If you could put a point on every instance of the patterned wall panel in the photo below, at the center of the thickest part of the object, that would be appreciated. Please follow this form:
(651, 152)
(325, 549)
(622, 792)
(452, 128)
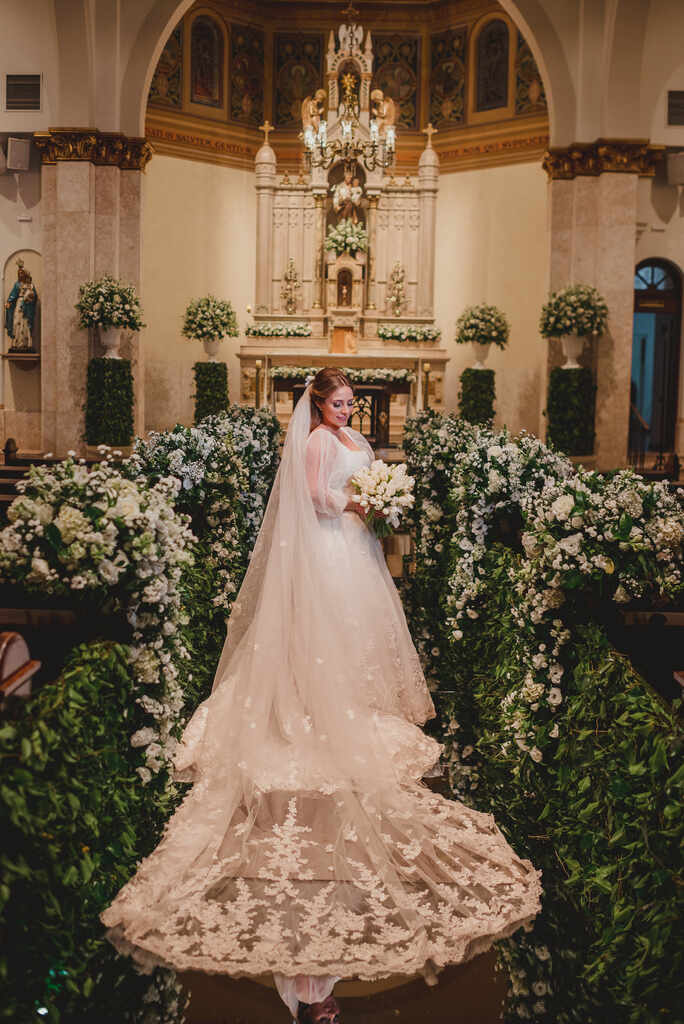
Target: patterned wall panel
(298, 72)
(491, 76)
(530, 97)
(166, 87)
(246, 71)
(397, 73)
(448, 77)
(206, 62)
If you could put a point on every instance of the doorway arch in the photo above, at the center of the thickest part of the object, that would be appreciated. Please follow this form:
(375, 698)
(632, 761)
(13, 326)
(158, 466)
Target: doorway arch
(656, 344)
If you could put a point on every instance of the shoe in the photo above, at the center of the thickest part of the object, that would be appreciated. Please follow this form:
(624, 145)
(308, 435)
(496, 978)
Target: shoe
(327, 1012)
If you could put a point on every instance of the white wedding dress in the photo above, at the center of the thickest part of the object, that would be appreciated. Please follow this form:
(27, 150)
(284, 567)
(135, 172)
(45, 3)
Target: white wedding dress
(308, 844)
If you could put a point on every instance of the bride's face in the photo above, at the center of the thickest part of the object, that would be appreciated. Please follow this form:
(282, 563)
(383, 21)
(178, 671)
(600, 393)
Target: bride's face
(337, 407)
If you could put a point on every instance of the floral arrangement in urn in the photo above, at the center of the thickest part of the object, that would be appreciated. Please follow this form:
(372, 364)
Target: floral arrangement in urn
(208, 320)
(346, 237)
(109, 303)
(482, 326)
(578, 309)
(111, 306)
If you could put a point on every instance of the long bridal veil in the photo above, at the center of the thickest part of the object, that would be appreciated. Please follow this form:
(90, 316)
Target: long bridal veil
(308, 844)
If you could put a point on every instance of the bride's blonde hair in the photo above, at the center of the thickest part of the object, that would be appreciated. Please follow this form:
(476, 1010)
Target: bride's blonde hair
(324, 383)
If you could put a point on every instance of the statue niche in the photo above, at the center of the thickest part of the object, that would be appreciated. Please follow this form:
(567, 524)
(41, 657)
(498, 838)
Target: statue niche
(344, 287)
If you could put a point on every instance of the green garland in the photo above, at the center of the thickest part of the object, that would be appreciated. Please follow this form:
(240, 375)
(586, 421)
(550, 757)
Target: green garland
(476, 397)
(211, 389)
(600, 813)
(570, 410)
(75, 820)
(109, 402)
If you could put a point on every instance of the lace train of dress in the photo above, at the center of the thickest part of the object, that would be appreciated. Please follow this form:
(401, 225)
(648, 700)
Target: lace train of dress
(308, 844)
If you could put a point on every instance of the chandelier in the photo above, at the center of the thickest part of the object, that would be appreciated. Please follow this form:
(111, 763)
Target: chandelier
(378, 151)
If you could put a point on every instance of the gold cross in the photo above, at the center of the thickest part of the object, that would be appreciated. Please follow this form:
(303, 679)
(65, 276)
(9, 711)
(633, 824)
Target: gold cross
(266, 128)
(429, 131)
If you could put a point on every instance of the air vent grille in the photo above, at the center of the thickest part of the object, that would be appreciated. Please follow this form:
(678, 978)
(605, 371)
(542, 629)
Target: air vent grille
(22, 92)
(675, 107)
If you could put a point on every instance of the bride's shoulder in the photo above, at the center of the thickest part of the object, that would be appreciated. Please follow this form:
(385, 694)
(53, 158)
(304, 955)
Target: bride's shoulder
(319, 436)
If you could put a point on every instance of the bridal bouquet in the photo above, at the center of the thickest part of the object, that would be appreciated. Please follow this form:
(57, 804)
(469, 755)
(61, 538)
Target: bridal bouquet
(383, 492)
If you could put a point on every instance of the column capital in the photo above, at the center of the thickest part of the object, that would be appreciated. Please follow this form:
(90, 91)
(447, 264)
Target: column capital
(108, 149)
(590, 159)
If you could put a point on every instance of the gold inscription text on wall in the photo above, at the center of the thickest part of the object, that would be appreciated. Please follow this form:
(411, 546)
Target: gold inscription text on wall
(589, 159)
(110, 149)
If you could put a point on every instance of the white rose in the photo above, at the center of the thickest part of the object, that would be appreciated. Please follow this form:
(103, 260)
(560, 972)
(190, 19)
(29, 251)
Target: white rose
(563, 506)
(39, 567)
(555, 697)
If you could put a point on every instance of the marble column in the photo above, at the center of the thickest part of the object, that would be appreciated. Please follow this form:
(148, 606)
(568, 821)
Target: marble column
(91, 191)
(265, 168)
(372, 237)
(592, 240)
(319, 255)
(428, 179)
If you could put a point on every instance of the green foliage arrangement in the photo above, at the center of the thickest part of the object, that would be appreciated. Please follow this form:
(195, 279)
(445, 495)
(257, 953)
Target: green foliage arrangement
(211, 389)
(476, 397)
(546, 726)
(346, 237)
(86, 782)
(108, 302)
(208, 318)
(578, 309)
(74, 821)
(484, 325)
(570, 410)
(109, 402)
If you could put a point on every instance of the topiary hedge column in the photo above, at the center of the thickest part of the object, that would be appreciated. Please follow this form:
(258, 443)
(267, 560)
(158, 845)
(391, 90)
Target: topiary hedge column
(570, 410)
(109, 402)
(211, 389)
(476, 397)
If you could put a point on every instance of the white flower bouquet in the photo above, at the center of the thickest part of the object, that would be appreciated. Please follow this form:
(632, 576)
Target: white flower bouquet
(578, 309)
(346, 237)
(384, 492)
(484, 325)
(209, 318)
(357, 375)
(109, 303)
(300, 329)
(408, 332)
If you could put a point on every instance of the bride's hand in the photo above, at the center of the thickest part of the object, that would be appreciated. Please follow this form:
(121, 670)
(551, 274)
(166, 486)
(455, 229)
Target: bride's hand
(353, 506)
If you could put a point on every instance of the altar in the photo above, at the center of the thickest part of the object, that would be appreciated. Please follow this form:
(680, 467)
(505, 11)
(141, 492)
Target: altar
(345, 256)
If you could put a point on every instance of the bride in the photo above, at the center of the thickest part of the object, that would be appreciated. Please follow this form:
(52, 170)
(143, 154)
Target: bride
(308, 847)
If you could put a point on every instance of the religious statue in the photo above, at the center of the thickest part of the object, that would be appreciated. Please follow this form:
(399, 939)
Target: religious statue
(383, 110)
(350, 37)
(396, 298)
(313, 108)
(20, 311)
(290, 287)
(347, 196)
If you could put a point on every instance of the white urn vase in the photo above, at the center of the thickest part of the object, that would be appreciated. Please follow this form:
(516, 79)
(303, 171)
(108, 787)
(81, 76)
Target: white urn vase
(211, 347)
(481, 352)
(110, 338)
(572, 348)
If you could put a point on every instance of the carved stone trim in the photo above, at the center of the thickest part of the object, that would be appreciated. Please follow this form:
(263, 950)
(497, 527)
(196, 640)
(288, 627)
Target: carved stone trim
(110, 149)
(589, 159)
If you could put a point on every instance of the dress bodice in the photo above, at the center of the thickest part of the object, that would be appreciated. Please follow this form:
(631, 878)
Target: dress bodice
(347, 462)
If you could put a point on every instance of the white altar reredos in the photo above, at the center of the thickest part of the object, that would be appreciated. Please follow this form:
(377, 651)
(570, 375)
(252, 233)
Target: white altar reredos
(344, 298)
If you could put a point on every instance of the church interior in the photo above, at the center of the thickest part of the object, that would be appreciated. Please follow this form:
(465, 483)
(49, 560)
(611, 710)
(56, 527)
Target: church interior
(338, 186)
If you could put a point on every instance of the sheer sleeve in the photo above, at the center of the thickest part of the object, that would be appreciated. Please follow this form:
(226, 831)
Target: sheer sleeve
(320, 461)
